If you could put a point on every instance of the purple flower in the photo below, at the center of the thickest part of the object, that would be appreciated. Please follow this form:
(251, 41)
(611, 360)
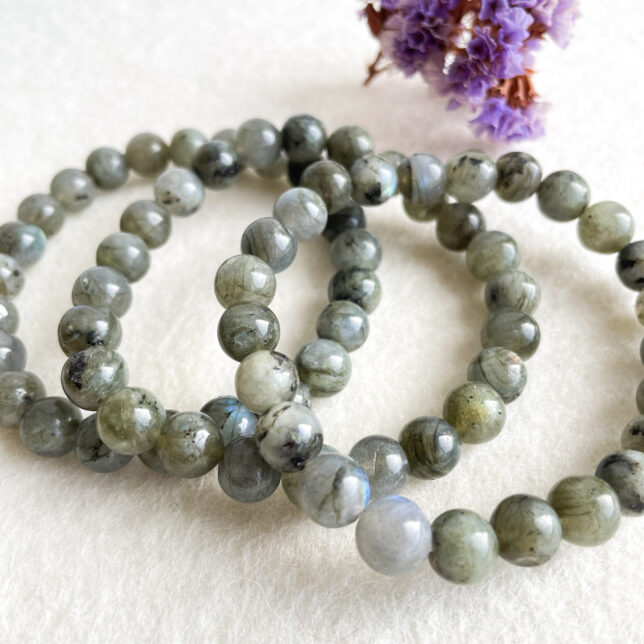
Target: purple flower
(500, 121)
(470, 79)
(514, 25)
(563, 18)
(491, 8)
(389, 5)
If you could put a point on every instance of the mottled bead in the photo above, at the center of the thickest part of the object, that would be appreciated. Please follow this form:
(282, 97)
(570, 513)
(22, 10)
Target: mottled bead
(179, 191)
(73, 189)
(324, 366)
(9, 316)
(513, 330)
(349, 143)
(42, 211)
(147, 220)
(147, 154)
(107, 167)
(345, 323)
(302, 212)
(12, 279)
(421, 179)
(476, 411)
(267, 239)
(518, 176)
(393, 536)
(93, 453)
(465, 547)
(639, 307)
(630, 265)
(151, 458)
(588, 509)
(458, 224)
(48, 427)
(348, 218)
(359, 286)
(227, 135)
(374, 180)
(231, 417)
(500, 368)
(125, 253)
(24, 242)
(514, 290)
(291, 480)
(101, 286)
(605, 227)
(216, 164)
(624, 472)
(258, 143)
(470, 176)
(563, 195)
(303, 138)
(331, 181)
(396, 160)
(303, 395)
(356, 248)
(633, 434)
(639, 397)
(245, 278)
(184, 144)
(528, 530)
(18, 392)
(275, 171)
(13, 355)
(246, 328)
(424, 213)
(490, 253)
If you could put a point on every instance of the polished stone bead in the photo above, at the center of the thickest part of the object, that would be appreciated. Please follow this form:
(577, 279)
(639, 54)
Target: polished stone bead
(345, 323)
(13, 355)
(356, 248)
(432, 446)
(184, 144)
(490, 253)
(125, 253)
(151, 458)
(303, 138)
(149, 221)
(42, 211)
(130, 420)
(302, 212)
(514, 290)
(639, 307)
(630, 265)
(348, 218)
(243, 474)
(275, 171)
(93, 453)
(518, 176)
(359, 286)
(563, 195)
(588, 509)
(147, 154)
(245, 278)
(48, 427)
(331, 181)
(230, 417)
(421, 180)
(513, 330)
(324, 366)
(384, 462)
(73, 189)
(101, 286)
(18, 392)
(606, 227)
(91, 375)
(246, 328)
(107, 167)
(374, 180)
(633, 434)
(396, 160)
(624, 472)
(528, 530)
(500, 368)
(82, 327)
(258, 143)
(291, 480)
(458, 224)
(465, 547)
(227, 135)
(24, 242)
(476, 411)
(189, 445)
(423, 213)
(295, 170)
(179, 191)
(216, 164)
(9, 316)
(348, 144)
(303, 395)
(393, 536)
(470, 176)
(12, 279)
(264, 379)
(267, 239)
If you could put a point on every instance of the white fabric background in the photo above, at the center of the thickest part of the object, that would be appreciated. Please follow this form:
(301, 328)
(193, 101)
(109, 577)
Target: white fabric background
(137, 556)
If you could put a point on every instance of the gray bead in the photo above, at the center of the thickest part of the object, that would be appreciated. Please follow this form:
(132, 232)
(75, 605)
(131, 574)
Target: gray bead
(24, 242)
(624, 472)
(179, 191)
(295, 170)
(348, 144)
(73, 189)
(630, 265)
(107, 167)
(12, 279)
(470, 176)
(246, 328)
(423, 213)
(245, 278)
(421, 180)
(633, 434)
(345, 323)
(374, 180)
(184, 144)
(303, 395)
(42, 211)
(231, 417)
(13, 355)
(258, 143)
(500, 368)
(605, 227)
(291, 480)
(149, 221)
(151, 458)
(91, 375)
(358, 286)
(147, 154)
(331, 181)
(512, 330)
(275, 171)
(82, 327)
(9, 316)
(356, 248)
(18, 392)
(303, 138)
(216, 164)
(48, 427)
(348, 218)
(302, 212)
(125, 253)
(101, 286)
(563, 195)
(324, 366)
(227, 135)
(93, 453)
(490, 253)
(384, 462)
(395, 159)
(458, 224)
(267, 239)
(518, 176)
(514, 290)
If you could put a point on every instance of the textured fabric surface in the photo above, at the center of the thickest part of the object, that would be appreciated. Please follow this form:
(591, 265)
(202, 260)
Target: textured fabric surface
(137, 556)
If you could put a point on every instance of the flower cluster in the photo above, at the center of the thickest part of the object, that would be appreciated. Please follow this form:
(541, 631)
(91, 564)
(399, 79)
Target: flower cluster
(478, 52)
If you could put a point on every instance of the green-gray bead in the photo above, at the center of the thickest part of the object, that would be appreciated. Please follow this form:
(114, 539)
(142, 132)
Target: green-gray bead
(12, 279)
(303, 138)
(518, 176)
(179, 191)
(513, 330)
(102, 286)
(374, 180)
(245, 278)
(184, 144)
(605, 227)
(258, 143)
(73, 189)
(345, 323)
(151, 458)
(356, 248)
(563, 195)
(624, 472)
(216, 164)
(231, 417)
(291, 480)
(227, 135)
(302, 212)
(107, 167)
(267, 239)
(362, 287)
(149, 221)
(18, 392)
(458, 224)
(93, 453)
(147, 154)
(24, 242)
(348, 144)
(633, 434)
(13, 354)
(331, 181)
(500, 368)
(9, 316)
(423, 213)
(246, 328)
(350, 217)
(274, 172)
(43, 211)
(125, 253)
(514, 290)
(325, 366)
(490, 253)
(421, 181)
(470, 176)
(630, 265)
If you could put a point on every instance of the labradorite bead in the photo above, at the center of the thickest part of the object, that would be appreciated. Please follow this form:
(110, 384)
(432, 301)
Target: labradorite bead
(518, 176)
(295, 170)
(458, 224)
(514, 290)
(432, 446)
(624, 472)
(588, 509)
(147, 154)
(48, 427)
(258, 143)
(302, 212)
(275, 171)
(528, 530)
(359, 286)
(246, 328)
(490, 253)
(264, 379)
(356, 248)
(91, 375)
(245, 278)
(476, 411)
(396, 160)
(12, 279)
(470, 176)
(42, 211)
(630, 265)
(13, 355)
(303, 138)
(324, 366)
(130, 420)
(605, 227)
(345, 323)
(465, 548)
(9, 316)
(227, 135)
(216, 164)
(267, 239)
(151, 458)
(384, 462)
(421, 180)
(243, 474)
(331, 181)
(513, 330)
(231, 417)
(423, 213)
(347, 218)
(633, 434)
(102, 286)
(149, 221)
(393, 536)
(73, 189)
(348, 144)
(125, 253)
(24, 242)
(563, 195)
(374, 180)
(179, 191)
(500, 368)
(291, 480)
(107, 167)
(18, 392)
(184, 144)
(93, 453)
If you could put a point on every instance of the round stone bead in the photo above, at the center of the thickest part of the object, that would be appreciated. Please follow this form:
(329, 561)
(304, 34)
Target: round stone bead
(374, 180)
(48, 427)
(630, 265)
(258, 143)
(243, 474)
(458, 224)
(265, 379)
(147, 154)
(151, 458)
(512, 330)
(125, 253)
(275, 171)
(465, 548)
(348, 218)
(291, 480)
(331, 181)
(421, 180)
(73, 189)
(588, 509)
(13, 355)
(303, 138)
(639, 397)
(432, 446)
(605, 227)
(190, 444)
(107, 167)
(395, 159)
(12, 279)
(227, 135)
(324, 366)
(42, 211)
(92, 375)
(102, 286)
(633, 435)
(490, 253)
(514, 290)
(183, 146)
(518, 176)
(231, 417)
(267, 239)
(348, 144)
(624, 472)
(423, 213)
(563, 195)
(179, 191)
(245, 278)
(356, 248)
(345, 323)
(359, 286)
(147, 220)
(470, 176)
(476, 411)
(500, 368)
(528, 530)
(130, 420)
(384, 462)
(393, 536)
(302, 212)
(93, 453)
(9, 316)
(18, 392)
(303, 395)
(24, 242)
(246, 328)
(216, 164)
